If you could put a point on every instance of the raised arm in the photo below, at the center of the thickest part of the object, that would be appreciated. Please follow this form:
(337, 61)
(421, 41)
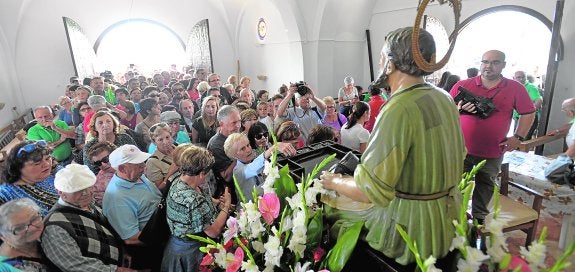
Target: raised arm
(284, 104)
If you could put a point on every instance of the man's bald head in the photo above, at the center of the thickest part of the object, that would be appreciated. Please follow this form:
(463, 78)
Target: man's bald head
(568, 105)
(520, 77)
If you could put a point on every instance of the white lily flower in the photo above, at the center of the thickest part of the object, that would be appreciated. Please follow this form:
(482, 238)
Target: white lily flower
(249, 266)
(457, 242)
(535, 256)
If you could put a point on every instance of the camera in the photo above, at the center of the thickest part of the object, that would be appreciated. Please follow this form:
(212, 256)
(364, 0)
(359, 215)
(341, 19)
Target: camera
(301, 88)
(483, 106)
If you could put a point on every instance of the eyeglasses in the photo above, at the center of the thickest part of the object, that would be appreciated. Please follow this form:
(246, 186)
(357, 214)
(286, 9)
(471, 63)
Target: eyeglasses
(493, 62)
(259, 136)
(179, 89)
(173, 123)
(330, 107)
(31, 147)
(156, 126)
(103, 160)
(154, 95)
(21, 229)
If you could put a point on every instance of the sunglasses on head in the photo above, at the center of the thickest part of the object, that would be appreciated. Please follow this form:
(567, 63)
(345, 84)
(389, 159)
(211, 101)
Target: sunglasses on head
(31, 147)
(259, 136)
(154, 95)
(103, 160)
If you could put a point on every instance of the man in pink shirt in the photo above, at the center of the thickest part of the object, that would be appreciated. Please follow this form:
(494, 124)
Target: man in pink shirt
(486, 138)
(375, 105)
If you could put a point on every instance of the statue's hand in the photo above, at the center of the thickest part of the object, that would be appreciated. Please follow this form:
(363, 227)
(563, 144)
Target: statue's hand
(329, 180)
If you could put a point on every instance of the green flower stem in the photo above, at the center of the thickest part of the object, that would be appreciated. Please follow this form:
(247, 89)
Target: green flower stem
(246, 250)
(239, 190)
(412, 247)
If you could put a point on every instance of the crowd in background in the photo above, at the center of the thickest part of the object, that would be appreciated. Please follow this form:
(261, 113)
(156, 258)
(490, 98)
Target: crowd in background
(95, 165)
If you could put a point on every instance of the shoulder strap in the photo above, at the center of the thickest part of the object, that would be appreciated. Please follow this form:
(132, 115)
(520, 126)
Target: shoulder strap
(316, 112)
(339, 120)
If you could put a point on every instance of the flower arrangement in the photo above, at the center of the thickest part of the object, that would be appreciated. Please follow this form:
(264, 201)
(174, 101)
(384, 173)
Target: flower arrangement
(497, 256)
(281, 231)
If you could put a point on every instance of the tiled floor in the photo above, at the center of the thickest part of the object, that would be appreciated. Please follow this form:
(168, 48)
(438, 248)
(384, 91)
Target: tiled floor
(515, 239)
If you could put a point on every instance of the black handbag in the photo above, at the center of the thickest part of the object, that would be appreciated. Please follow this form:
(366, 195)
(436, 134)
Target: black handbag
(157, 232)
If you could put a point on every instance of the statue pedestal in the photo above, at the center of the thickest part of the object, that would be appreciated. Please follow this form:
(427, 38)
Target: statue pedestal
(366, 257)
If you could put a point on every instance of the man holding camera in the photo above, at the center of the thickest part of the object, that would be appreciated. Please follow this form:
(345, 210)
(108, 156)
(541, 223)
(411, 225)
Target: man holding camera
(303, 115)
(486, 134)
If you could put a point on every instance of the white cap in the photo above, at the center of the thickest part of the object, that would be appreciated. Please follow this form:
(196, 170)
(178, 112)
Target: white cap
(348, 80)
(74, 178)
(127, 154)
(167, 116)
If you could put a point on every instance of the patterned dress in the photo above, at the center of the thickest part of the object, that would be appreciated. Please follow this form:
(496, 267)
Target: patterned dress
(188, 212)
(416, 149)
(43, 193)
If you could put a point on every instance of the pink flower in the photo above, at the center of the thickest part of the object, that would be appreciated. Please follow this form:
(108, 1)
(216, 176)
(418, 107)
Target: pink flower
(236, 263)
(318, 254)
(233, 228)
(518, 262)
(269, 206)
(207, 260)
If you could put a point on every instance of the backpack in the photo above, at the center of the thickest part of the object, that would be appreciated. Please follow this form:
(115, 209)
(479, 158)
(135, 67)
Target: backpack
(560, 171)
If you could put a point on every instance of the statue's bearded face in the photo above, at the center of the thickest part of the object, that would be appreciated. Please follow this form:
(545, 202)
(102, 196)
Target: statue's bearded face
(382, 80)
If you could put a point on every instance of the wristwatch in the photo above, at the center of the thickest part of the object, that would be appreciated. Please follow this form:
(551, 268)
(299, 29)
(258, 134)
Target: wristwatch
(519, 137)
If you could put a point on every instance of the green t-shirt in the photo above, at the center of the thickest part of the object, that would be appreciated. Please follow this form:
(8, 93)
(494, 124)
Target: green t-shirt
(534, 94)
(38, 132)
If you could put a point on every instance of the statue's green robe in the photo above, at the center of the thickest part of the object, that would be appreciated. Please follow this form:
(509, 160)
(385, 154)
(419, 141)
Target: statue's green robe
(416, 148)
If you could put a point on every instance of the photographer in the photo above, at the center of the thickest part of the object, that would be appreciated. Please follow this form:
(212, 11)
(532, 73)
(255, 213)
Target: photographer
(304, 115)
(485, 136)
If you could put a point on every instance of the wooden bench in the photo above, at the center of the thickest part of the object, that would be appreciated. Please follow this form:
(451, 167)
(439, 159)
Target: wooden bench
(12, 134)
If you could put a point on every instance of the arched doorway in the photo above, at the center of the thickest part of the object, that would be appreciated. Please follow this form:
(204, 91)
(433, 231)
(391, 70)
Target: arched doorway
(148, 45)
(524, 38)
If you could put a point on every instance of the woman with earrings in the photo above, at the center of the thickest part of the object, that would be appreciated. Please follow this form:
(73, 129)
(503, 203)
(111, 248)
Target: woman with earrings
(353, 134)
(28, 173)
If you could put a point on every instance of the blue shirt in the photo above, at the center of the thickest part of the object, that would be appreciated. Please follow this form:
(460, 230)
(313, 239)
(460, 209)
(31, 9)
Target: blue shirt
(247, 176)
(129, 205)
(66, 116)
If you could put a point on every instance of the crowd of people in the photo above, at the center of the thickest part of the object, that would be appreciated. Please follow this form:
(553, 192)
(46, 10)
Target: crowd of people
(76, 195)
(107, 151)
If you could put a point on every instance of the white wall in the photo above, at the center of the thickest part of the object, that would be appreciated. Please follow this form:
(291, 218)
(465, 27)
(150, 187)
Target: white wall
(279, 56)
(41, 54)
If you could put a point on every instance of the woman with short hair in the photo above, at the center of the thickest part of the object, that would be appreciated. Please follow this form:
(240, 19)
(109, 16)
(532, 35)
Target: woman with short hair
(28, 172)
(160, 166)
(259, 137)
(248, 118)
(65, 113)
(249, 167)
(20, 229)
(191, 210)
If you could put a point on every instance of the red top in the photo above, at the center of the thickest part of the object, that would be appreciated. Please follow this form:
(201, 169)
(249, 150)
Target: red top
(483, 136)
(375, 105)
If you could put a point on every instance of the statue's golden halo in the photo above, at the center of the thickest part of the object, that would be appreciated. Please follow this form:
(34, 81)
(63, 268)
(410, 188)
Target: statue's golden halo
(433, 66)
